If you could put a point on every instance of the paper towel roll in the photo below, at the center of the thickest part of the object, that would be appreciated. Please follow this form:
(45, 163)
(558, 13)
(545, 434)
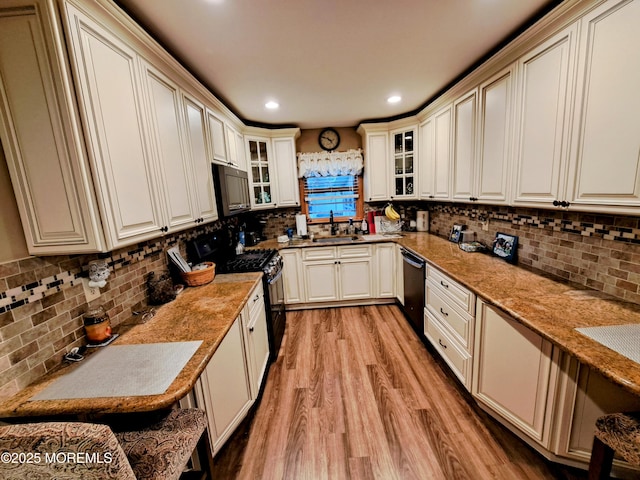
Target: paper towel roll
(301, 224)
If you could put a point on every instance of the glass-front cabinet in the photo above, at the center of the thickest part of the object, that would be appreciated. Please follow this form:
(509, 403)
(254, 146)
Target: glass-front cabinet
(260, 172)
(404, 156)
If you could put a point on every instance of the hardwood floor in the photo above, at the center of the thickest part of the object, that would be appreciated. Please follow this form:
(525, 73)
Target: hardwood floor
(354, 394)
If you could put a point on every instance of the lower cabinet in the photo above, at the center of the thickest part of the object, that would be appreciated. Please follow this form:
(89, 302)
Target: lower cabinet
(514, 373)
(385, 270)
(292, 276)
(338, 273)
(230, 383)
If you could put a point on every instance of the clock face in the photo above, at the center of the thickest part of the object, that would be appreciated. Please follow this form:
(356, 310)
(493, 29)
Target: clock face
(329, 139)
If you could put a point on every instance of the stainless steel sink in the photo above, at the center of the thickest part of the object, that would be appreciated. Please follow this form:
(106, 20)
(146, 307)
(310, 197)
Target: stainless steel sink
(336, 239)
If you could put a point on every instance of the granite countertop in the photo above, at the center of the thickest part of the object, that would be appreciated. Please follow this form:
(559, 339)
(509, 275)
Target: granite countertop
(550, 307)
(199, 313)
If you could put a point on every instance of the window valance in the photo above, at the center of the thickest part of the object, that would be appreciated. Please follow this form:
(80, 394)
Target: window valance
(325, 164)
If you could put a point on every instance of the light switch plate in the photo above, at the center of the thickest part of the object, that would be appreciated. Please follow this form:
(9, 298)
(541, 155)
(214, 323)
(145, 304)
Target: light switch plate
(91, 293)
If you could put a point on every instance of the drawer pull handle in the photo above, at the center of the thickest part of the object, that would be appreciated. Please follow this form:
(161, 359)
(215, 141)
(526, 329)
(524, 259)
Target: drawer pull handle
(443, 312)
(441, 344)
(256, 298)
(445, 285)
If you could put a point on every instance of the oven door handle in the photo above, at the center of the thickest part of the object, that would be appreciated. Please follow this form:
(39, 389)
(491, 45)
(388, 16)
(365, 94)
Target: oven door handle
(276, 278)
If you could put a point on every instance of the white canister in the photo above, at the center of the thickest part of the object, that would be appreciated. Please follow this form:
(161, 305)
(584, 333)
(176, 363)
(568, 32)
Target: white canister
(422, 221)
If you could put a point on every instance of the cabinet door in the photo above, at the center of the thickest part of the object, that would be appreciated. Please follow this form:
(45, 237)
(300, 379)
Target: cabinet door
(442, 154)
(217, 140)
(544, 94)
(197, 147)
(386, 270)
(512, 372)
(493, 162)
(355, 279)
(427, 156)
(399, 276)
(375, 171)
(286, 171)
(464, 141)
(225, 385)
(403, 163)
(261, 174)
(257, 342)
(292, 276)
(321, 284)
(51, 182)
(606, 143)
(165, 119)
(108, 77)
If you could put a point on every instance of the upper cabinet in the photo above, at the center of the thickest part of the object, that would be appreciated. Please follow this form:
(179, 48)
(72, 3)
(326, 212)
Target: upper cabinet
(272, 168)
(605, 148)
(542, 127)
(464, 145)
(404, 159)
(235, 148)
(390, 161)
(434, 137)
(36, 102)
(217, 138)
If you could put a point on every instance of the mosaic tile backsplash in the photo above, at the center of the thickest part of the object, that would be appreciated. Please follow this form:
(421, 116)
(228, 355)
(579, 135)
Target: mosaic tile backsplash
(42, 300)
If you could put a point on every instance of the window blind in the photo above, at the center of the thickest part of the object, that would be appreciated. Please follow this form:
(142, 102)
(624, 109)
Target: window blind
(326, 194)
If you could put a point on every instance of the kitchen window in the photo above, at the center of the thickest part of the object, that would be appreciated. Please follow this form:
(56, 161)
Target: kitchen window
(331, 182)
(341, 194)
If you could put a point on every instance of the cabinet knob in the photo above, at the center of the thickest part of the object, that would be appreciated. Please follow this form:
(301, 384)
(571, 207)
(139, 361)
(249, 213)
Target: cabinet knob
(251, 329)
(556, 203)
(441, 344)
(164, 229)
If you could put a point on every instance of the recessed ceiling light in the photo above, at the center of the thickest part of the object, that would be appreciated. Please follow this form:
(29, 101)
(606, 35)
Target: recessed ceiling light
(394, 99)
(271, 105)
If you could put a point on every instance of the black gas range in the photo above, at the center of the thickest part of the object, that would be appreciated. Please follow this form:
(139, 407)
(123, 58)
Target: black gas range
(218, 247)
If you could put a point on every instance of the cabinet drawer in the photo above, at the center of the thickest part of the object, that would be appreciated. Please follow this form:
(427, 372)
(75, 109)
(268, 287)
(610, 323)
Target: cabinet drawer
(458, 294)
(457, 322)
(319, 253)
(356, 251)
(458, 360)
(256, 301)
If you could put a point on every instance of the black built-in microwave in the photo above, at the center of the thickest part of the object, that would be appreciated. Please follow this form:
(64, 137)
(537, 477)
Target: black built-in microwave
(232, 190)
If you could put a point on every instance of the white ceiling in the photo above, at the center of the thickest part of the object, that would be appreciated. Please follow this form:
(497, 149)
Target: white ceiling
(329, 62)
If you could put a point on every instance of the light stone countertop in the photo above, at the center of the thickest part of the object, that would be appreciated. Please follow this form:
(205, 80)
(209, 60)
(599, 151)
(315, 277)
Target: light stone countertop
(550, 307)
(199, 313)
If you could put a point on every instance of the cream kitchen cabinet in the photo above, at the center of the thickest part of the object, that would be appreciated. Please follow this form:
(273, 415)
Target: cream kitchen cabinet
(165, 117)
(435, 155)
(404, 162)
(292, 276)
(399, 275)
(544, 91)
(36, 104)
(256, 339)
(196, 141)
(110, 97)
(286, 167)
(337, 273)
(385, 255)
(482, 140)
(235, 148)
(515, 373)
(217, 138)
(273, 168)
(449, 322)
(224, 387)
(376, 172)
(605, 150)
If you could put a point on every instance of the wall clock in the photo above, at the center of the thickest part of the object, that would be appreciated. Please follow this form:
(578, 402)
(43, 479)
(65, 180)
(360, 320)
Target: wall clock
(329, 139)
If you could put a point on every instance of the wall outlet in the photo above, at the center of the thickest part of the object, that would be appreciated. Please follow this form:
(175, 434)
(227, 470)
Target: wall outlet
(485, 225)
(91, 293)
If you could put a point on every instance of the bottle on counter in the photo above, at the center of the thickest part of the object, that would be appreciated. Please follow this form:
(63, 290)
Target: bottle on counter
(364, 226)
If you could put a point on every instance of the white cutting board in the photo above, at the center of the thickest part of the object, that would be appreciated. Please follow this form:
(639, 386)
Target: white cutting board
(123, 371)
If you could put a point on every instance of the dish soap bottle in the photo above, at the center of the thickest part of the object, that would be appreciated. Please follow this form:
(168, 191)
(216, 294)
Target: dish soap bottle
(364, 226)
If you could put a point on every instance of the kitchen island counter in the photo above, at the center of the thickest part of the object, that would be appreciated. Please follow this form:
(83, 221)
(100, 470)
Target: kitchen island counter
(198, 314)
(549, 306)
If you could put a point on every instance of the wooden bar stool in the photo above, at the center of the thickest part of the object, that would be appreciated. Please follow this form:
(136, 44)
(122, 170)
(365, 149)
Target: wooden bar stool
(615, 433)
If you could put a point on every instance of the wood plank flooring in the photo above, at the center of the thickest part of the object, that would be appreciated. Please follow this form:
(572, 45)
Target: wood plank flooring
(354, 394)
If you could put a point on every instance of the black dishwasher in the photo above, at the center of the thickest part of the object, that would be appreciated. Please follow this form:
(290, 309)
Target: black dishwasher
(413, 268)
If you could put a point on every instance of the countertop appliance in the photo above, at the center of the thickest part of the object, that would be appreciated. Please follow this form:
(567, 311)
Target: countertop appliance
(216, 247)
(232, 190)
(413, 269)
